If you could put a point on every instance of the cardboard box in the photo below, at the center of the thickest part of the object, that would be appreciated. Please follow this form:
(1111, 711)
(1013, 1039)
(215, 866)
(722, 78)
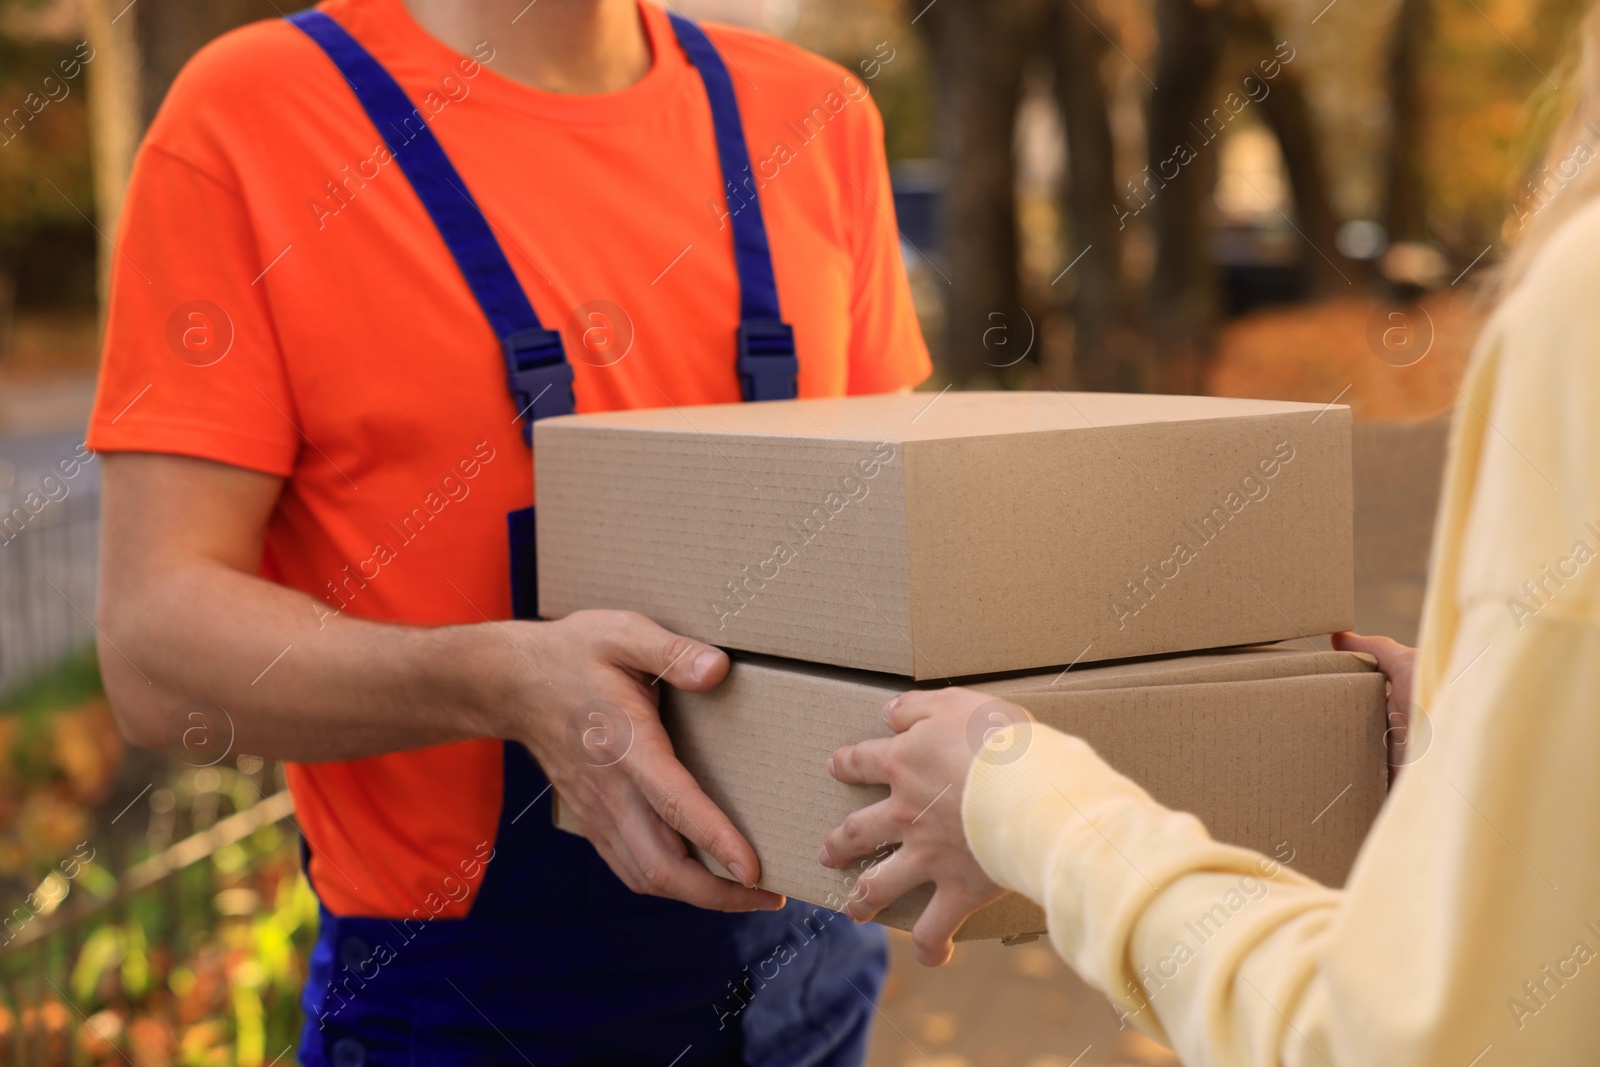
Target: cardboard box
(1280, 750)
(953, 535)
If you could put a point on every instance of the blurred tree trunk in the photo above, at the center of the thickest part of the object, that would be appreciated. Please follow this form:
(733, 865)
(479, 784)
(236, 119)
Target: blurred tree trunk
(1288, 114)
(170, 31)
(978, 50)
(138, 51)
(8, 308)
(1405, 180)
(1104, 356)
(114, 120)
(1183, 287)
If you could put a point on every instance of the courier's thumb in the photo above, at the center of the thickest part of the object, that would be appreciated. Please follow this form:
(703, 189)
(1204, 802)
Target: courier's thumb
(681, 662)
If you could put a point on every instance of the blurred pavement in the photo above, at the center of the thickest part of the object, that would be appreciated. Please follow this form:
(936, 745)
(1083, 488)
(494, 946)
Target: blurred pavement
(41, 407)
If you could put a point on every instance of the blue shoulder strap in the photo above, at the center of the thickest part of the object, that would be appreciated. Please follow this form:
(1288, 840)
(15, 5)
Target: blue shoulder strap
(537, 371)
(766, 362)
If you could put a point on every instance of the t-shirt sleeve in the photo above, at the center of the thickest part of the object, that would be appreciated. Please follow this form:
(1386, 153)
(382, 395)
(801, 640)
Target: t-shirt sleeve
(887, 350)
(191, 363)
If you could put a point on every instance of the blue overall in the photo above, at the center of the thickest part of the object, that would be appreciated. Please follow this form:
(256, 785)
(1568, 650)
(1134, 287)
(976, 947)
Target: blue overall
(557, 962)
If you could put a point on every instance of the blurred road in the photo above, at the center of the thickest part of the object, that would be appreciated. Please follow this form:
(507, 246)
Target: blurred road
(48, 548)
(41, 407)
(26, 458)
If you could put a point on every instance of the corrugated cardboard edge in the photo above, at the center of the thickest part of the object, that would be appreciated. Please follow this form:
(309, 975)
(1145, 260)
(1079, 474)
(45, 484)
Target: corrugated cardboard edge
(1066, 704)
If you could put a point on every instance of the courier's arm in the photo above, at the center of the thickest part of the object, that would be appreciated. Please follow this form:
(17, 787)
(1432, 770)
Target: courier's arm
(198, 649)
(188, 628)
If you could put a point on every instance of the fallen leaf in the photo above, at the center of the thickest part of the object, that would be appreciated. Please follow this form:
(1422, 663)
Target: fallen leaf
(1036, 962)
(938, 1027)
(1148, 1052)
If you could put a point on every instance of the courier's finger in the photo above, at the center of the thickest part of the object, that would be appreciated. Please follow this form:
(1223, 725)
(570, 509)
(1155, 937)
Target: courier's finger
(666, 869)
(863, 763)
(684, 806)
(608, 842)
(861, 832)
(660, 654)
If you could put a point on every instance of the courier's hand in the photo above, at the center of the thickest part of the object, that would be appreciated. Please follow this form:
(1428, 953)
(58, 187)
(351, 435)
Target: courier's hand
(925, 766)
(588, 713)
(1397, 662)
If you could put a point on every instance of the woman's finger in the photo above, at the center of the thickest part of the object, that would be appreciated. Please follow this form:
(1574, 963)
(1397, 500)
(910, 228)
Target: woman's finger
(901, 711)
(861, 832)
(883, 883)
(932, 939)
(1388, 652)
(863, 763)
(910, 708)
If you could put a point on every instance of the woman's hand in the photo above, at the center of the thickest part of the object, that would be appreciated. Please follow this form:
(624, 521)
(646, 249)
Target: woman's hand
(1397, 662)
(938, 735)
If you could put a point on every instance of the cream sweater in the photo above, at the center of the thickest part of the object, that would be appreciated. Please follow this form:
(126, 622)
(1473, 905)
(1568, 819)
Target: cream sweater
(1468, 934)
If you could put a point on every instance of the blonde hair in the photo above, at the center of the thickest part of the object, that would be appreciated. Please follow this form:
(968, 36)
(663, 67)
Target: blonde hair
(1571, 160)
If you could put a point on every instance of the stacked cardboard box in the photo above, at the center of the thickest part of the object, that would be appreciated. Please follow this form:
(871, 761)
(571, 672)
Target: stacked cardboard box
(967, 535)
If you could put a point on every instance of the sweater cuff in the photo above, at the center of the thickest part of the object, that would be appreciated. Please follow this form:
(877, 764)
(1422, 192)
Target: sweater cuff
(1019, 809)
(1063, 828)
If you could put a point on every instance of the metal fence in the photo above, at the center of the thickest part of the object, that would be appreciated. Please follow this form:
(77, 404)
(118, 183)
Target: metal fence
(190, 874)
(49, 563)
(125, 949)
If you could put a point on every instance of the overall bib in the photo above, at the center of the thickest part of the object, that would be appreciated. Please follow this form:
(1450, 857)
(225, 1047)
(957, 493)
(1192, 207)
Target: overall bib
(557, 962)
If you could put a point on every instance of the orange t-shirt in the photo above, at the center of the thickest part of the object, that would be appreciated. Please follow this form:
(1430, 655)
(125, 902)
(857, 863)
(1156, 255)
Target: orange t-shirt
(281, 301)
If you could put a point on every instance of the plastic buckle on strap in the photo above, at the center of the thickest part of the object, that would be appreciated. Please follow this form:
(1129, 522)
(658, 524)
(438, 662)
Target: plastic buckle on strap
(767, 364)
(540, 376)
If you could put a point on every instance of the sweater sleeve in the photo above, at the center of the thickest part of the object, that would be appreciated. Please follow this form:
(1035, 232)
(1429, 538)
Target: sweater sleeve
(1466, 930)
(1472, 912)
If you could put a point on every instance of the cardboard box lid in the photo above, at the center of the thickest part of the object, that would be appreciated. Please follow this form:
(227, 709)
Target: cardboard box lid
(1277, 749)
(958, 534)
(950, 415)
